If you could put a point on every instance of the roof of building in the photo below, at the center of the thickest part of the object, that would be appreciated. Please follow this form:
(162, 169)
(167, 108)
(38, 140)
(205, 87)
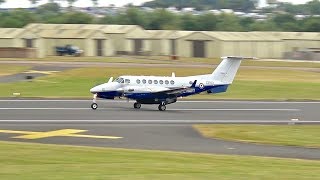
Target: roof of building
(67, 33)
(180, 34)
(160, 34)
(295, 35)
(10, 33)
(242, 36)
(106, 28)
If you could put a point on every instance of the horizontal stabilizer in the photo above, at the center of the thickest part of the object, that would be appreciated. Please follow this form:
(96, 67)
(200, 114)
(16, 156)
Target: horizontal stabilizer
(237, 57)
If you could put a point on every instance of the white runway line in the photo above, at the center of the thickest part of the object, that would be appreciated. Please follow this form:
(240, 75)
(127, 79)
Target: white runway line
(181, 101)
(142, 109)
(159, 121)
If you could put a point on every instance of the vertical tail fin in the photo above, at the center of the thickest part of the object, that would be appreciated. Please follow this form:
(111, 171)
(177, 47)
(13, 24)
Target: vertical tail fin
(227, 69)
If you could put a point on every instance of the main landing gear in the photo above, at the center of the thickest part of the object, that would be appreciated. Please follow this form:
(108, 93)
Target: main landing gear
(137, 105)
(94, 104)
(162, 106)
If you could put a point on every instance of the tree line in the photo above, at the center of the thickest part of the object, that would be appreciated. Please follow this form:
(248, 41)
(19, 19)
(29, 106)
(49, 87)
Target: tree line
(160, 19)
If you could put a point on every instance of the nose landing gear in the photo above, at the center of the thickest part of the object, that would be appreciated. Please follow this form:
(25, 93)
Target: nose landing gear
(94, 105)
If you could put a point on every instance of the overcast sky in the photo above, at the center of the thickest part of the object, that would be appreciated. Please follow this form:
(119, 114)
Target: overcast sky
(86, 3)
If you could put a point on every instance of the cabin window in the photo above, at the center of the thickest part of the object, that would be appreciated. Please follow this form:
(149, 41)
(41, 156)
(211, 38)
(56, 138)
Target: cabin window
(144, 81)
(190, 82)
(120, 80)
(172, 82)
(155, 81)
(167, 82)
(150, 81)
(138, 81)
(161, 81)
(127, 81)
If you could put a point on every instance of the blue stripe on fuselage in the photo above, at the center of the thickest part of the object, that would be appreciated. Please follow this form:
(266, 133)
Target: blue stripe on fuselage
(197, 90)
(109, 94)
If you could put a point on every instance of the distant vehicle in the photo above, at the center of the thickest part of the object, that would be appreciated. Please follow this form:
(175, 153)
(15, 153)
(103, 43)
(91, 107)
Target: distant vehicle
(165, 90)
(68, 50)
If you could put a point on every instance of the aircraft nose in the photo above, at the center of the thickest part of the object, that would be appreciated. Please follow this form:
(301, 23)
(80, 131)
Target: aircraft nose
(94, 89)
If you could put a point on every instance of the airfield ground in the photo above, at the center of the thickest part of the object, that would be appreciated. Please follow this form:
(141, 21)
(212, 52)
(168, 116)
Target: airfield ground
(34, 161)
(71, 122)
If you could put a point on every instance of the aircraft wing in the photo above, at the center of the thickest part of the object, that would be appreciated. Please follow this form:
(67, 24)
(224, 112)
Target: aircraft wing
(175, 91)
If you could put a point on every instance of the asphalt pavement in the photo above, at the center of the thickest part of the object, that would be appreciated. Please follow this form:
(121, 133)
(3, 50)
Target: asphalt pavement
(117, 124)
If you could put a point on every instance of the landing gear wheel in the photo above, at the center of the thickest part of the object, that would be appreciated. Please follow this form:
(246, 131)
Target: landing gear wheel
(137, 105)
(162, 107)
(94, 106)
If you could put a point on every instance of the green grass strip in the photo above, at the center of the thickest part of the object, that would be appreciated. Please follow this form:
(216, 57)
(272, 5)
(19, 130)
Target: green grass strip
(38, 161)
(290, 135)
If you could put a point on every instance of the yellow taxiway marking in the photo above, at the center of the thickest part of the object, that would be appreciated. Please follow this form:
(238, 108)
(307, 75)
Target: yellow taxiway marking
(41, 72)
(56, 133)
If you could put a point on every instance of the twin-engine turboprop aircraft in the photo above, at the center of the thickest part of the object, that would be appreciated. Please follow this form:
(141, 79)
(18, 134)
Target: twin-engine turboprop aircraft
(165, 90)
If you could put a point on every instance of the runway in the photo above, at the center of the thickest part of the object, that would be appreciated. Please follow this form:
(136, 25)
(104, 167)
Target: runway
(117, 124)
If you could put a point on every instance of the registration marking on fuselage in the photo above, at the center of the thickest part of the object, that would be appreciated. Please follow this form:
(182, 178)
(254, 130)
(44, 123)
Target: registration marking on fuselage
(55, 133)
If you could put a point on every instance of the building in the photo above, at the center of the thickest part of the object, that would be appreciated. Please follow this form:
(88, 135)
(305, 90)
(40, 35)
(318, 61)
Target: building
(126, 39)
(17, 42)
(92, 42)
(160, 42)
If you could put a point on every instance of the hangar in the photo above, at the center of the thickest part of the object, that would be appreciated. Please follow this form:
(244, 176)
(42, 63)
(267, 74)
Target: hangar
(160, 42)
(24, 42)
(244, 44)
(126, 39)
(294, 41)
(216, 44)
(93, 42)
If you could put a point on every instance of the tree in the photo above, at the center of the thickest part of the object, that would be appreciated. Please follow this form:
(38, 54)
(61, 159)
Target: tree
(312, 24)
(162, 19)
(95, 2)
(189, 22)
(228, 22)
(34, 2)
(286, 22)
(78, 18)
(71, 2)
(314, 7)
(207, 22)
(17, 19)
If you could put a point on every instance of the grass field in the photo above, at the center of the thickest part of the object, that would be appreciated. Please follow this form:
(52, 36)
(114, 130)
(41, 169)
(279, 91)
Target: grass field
(167, 60)
(291, 135)
(11, 69)
(38, 161)
(249, 83)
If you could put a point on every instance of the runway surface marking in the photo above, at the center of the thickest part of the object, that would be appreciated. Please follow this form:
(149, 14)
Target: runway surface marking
(182, 101)
(180, 109)
(156, 121)
(56, 133)
(41, 72)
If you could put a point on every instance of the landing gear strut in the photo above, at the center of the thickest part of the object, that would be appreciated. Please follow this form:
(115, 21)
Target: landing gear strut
(94, 105)
(137, 105)
(162, 106)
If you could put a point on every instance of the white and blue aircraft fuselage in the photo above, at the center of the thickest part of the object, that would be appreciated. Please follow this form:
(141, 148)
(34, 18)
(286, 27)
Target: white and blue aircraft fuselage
(165, 90)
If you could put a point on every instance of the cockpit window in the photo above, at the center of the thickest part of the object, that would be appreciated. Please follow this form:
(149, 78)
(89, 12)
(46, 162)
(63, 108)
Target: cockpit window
(119, 80)
(127, 81)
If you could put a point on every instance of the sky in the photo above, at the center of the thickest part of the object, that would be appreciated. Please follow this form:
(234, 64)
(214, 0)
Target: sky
(87, 3)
